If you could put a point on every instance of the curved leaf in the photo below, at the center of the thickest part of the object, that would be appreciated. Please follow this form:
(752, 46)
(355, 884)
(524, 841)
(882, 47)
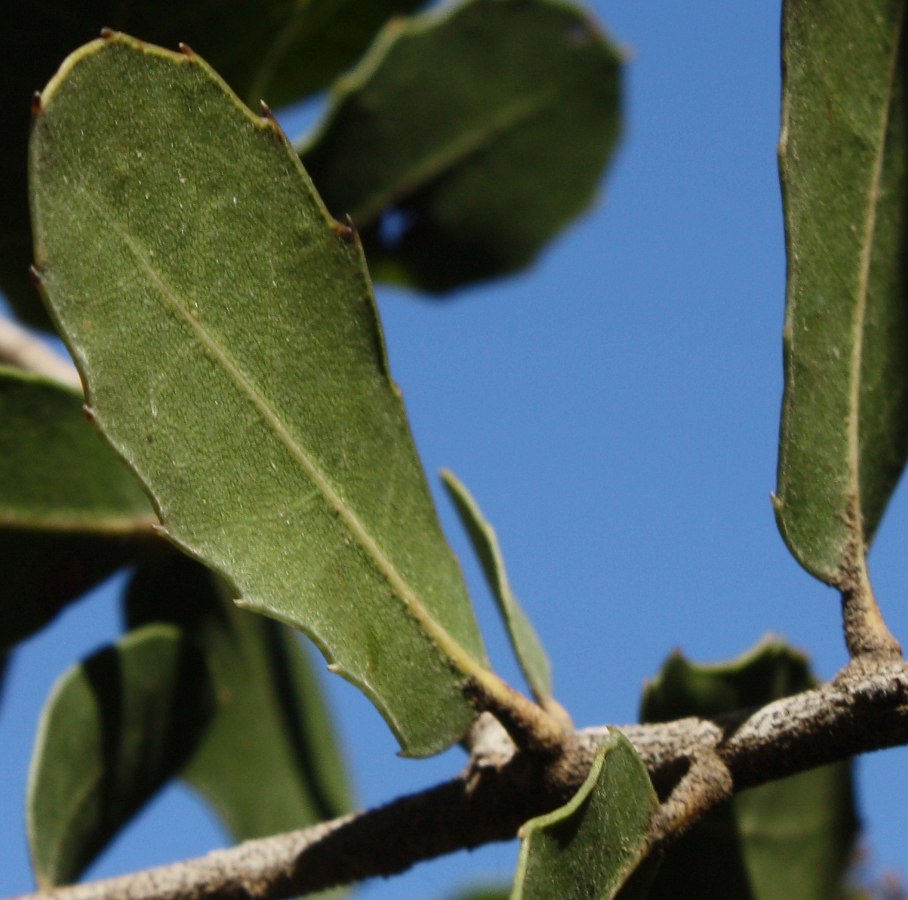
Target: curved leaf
(590, 848)
(528, 649)
(276, 50)
(114, 730)
(226, 329)
(70, 512)
(424, 139)
(791, 838)
(269, 761)
(842, 157)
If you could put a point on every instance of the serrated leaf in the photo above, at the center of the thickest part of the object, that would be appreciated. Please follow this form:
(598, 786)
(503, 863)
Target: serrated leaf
(590, 848)
(70, 512)
(424, 138)
(842, 155)
(226, 329)
(528, 649)
(269, 760)
(791, 838)
(276, 50)
(114, 730)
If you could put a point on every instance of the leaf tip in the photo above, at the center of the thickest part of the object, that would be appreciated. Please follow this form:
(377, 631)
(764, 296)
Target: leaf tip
(107, 34)
(186, 50)
(266, 111)
(37, 104)
(88, 412)
(36, 276)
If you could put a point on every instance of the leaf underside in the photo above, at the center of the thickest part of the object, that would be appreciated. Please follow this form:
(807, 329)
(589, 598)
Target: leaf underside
(467, 139)
(70, 512)
(525, 642)
(276, 50)
(842, 153)
(226, 329)
(269, 761)
(590, 848)
(114, 730)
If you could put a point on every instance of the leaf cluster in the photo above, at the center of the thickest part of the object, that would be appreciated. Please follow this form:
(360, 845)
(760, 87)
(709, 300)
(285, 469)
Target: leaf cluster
(212, 280)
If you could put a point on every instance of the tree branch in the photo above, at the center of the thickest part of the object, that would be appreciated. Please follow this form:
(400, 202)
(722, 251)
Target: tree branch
(24, 350)
(864, 708)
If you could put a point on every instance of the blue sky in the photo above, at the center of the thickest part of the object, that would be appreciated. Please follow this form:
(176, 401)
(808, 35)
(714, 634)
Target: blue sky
(615, 412)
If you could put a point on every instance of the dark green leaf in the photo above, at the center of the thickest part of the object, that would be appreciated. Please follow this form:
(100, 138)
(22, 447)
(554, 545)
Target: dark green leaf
(276, 50)
(70, 512)
(530, 653)
(843, 163)
(791, 838)
(269, 761)
(591, 847)
(114, 730)
(467, 139)
(226, 329)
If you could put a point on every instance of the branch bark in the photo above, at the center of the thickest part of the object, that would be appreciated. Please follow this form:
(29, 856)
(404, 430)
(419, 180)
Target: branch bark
(24, 350)
(864, 708)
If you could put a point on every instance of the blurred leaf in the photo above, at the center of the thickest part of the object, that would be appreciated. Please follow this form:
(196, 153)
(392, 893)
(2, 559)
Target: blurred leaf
(527, 647)
(70, 512)
(590, 848)
(269, 761)
(790, 838)
(842, 159)
(114, 730)
(467, 139)
(276, 50)
(293, 471)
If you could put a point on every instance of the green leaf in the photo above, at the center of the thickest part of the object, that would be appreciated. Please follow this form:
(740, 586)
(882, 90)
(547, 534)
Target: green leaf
(525, 641)
(590, 847)
(276, 50)
(70, 512)
(227, 332)
(791, 838)
(425, 139)
(842, 157)
(269, 761)
(114, 730)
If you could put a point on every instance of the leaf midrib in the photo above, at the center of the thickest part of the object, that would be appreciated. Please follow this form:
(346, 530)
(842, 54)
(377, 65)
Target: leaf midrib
(856, 522)
(462, 660)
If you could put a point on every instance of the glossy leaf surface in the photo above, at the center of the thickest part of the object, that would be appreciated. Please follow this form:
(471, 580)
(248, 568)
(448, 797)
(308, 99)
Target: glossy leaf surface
(530, 653)
(269, 761)
(70, 512)
(790, 838)
(114, 730)
(842, 158)
(226, 329)
(273, 50)
(425, 138)
(591, 847)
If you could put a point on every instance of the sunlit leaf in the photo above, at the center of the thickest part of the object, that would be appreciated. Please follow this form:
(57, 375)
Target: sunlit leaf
(269, 761)
(70, 511)
(226, 329)
(273, 50)
(467, 139)
(843, 163)
(790, 838)
(114, 730)
(528, 649)
(590, 848)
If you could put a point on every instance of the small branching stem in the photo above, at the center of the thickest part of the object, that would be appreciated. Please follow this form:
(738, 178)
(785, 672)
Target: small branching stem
(864, 708)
